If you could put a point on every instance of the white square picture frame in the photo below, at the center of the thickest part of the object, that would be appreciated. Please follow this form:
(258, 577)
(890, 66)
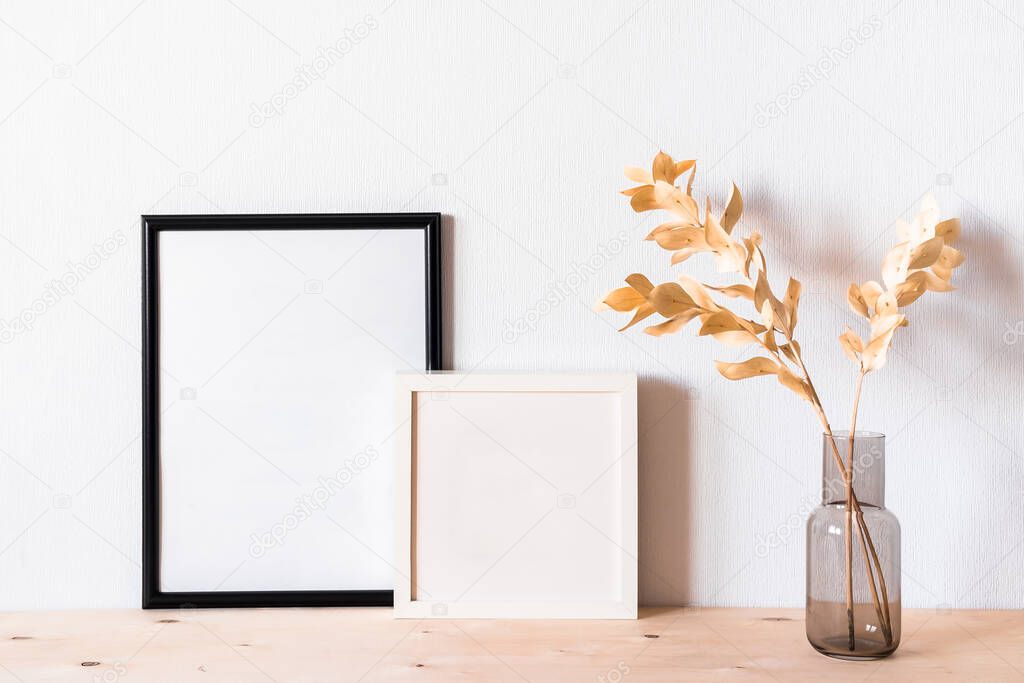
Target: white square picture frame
(516, 496)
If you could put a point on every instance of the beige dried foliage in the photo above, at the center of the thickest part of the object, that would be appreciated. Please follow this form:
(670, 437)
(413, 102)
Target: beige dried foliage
(754, 367)
(922, 261)
(734, 291)
(733, 209)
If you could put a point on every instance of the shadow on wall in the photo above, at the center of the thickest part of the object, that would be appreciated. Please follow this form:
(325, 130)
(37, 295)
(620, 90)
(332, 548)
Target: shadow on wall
(991, 274)
(665, 501)
(665, 466)
(983, 323)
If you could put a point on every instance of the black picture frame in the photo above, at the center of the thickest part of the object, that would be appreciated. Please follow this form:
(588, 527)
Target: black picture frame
(151, 227)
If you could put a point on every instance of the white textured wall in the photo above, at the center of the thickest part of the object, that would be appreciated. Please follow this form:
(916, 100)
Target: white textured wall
(514, 119)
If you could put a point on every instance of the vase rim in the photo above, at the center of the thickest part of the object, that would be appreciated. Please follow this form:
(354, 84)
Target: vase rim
(859, 434)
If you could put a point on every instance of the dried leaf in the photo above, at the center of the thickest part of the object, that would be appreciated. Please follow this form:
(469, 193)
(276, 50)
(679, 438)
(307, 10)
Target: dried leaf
(644, 199)
(729, 329)
(791, 301)
(714, 234)
(731, 260)
(733, 209)
(739, 339)
(948, 230)
(639, 175)
(698, 293)
(767, 316)
(624, 299)
(755, 367)
(753, 245)
(894, 267)
(663, 168)
(670, 326)
(763, 293)
(787, 350)
(926, 253)
(934, 283)
(663, 227)
(949, 259)
(689, 183)
(670, 198)
(943, 273)
(874, 354)
(750, 326)
(681, 238)
(908, 291)
(684, 166)
(769, 339)
(664, 193)
(673, 324)
(852, 345)
(689, 206)
(683, 254)
(793, 383)
(735, 291)
(643, 312)
(871, 290)
(640, 283)
(855, 298)
(670, 299)
(721, 321)
(886, 305)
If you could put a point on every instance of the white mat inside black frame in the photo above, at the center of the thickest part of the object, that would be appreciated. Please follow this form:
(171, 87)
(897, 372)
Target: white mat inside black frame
(270, 347)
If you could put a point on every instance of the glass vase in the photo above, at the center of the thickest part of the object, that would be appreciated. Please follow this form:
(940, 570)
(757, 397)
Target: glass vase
(853, 554)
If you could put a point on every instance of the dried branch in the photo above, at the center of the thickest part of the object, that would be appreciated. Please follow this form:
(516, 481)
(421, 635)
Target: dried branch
(922, 261)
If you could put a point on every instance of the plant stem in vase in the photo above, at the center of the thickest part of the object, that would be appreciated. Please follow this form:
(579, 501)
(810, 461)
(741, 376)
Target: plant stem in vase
(832, 604)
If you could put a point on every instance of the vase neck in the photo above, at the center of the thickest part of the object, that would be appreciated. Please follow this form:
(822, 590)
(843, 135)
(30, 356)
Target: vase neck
(868, 468)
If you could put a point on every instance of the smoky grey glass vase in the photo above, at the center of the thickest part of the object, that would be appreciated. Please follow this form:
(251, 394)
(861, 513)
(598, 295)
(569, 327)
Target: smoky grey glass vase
(853, 554)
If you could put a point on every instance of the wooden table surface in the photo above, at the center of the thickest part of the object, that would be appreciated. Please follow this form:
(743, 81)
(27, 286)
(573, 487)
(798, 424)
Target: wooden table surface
(366, 644)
